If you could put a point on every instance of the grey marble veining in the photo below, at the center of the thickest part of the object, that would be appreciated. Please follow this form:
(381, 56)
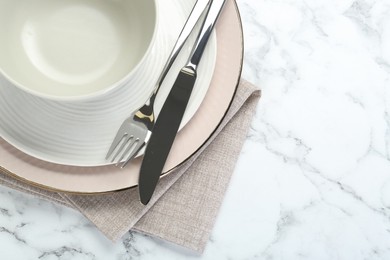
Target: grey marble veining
(313, 180)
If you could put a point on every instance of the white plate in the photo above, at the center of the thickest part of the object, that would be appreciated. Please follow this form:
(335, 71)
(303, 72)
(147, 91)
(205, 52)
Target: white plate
(92, 180)
(80, 133)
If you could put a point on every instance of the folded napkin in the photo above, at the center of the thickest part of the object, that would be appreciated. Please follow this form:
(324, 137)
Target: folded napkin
(186, 202)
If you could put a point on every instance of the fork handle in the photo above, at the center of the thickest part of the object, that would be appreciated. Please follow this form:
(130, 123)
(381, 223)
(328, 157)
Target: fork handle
(145, 114)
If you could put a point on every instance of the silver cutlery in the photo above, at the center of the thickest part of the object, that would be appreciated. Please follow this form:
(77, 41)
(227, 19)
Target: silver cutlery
(170, 116)
(136, 130)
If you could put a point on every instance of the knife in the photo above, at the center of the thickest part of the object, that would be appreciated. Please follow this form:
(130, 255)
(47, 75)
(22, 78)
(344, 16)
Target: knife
(171, 114)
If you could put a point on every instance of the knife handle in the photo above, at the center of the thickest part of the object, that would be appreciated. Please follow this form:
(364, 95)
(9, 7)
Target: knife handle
(161, 140)
(171, 114)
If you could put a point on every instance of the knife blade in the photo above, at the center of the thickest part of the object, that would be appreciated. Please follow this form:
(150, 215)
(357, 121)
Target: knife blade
(171, 114)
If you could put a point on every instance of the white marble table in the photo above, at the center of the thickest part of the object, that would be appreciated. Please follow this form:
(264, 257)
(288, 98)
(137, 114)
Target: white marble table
(313, 180)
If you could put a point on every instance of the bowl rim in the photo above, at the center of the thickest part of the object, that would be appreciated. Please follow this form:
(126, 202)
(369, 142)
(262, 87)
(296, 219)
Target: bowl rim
(89, 96)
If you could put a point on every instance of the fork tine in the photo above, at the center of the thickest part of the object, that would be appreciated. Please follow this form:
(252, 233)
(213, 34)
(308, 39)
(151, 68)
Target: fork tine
(117, 140)
(128, 144)
(140, 144)
(126, 140)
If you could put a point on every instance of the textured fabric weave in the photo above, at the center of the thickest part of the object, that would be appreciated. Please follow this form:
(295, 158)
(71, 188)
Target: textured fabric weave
(186, 202)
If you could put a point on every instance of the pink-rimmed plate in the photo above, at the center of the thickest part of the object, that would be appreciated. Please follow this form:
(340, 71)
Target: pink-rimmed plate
(89, 180)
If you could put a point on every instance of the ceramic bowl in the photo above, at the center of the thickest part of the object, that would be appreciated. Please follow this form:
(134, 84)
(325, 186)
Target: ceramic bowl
(79, 133)
(74, 49)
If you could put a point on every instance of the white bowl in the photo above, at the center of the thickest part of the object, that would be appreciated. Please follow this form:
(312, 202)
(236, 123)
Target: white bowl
(79, 133)
(73, 49)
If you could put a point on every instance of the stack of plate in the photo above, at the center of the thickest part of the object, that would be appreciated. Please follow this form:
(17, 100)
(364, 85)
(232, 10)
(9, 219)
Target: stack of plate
(62, 145)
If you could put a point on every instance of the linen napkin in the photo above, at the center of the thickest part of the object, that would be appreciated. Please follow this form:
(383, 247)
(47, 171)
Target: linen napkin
(186, 202)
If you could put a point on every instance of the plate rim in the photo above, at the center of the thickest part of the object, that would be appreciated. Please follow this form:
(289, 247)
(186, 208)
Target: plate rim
(230, 102)
(53, 189)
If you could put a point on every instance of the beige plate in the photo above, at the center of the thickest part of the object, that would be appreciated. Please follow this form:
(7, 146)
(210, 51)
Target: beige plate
(189, 140)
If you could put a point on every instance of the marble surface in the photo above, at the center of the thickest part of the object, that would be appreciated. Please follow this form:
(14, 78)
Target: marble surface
(313, 180)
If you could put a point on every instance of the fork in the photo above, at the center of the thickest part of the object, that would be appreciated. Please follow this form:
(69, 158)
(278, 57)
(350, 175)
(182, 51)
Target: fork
(136, 130)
